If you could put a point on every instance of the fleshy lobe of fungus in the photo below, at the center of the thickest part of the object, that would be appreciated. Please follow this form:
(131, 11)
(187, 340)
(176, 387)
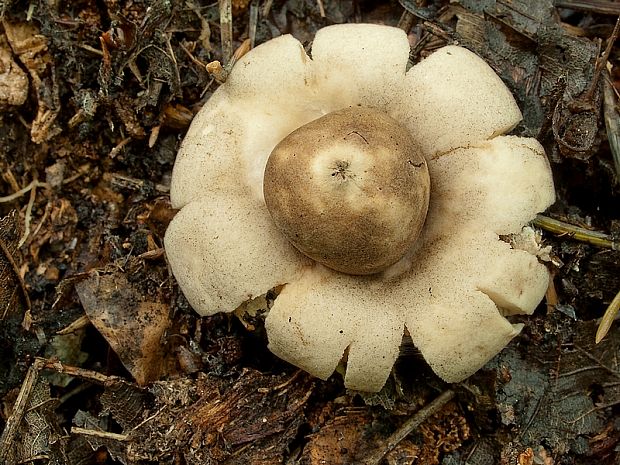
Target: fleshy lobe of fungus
(350, 190)
(451, 290)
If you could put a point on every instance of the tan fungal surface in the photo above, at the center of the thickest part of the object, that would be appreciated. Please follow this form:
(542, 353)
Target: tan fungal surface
(268, 95)
(350, 190)
(461, 280)
(359, 65)
(484, 278)
(470, 102)
(497, 185)
(360, 312)
(204, 158)
(456, 283)
(251, 255)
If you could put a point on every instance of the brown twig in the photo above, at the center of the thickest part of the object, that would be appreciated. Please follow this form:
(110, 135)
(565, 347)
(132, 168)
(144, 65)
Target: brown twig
(267, 8)
(195, 60)
(116, 150)
(98, 434)
(77, 372)
(602, 61)
(28, 216)
(416, 420)
(587, 354)
(19, 409)
(594, 6)
(90, 49)
(127, 182)
(226, 32)
(253, 23)
(612, 122)
(46, 213)
(152, 254)
(25, 190)
(244, 48)
(406, 21)
(173, 58)
(22, 285)
(74, 326)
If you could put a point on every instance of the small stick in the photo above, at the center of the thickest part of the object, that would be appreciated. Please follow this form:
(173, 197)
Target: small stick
(612, 122)
(116, 150)
(76, 325)
(4, 248)
(90, 49)
(98, 434)
(253, 23)
(152, 254)
(192, 57)
(127, 182)
(575, 232)
(10, 178)
(28, 216)
(608, 319)
(19, 409)
(406, 21)
(266, 8)
(226, 32)
(80, 171)
(77, 372)
(416, 420)
(602, 61)
(25, 190)
(244, 48)
(173, 57)
(46, 212)
(595, 6)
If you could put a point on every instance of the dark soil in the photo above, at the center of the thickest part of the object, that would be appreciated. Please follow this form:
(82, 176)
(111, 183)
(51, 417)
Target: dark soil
(100, 96)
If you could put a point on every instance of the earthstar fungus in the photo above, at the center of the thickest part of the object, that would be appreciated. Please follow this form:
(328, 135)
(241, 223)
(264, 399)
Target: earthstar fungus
(450, 288)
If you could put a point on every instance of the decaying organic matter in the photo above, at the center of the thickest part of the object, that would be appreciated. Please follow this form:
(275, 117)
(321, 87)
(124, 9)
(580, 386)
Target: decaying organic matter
(122, 80)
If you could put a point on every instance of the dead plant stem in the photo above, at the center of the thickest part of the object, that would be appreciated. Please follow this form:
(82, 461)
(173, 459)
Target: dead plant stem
(226, 31)
(19, 409)
(28, 216)
(608, 319)
(416, 420)
(25, 190)
(22, 285)
(98, 434)
(595, 6)
(575, 232)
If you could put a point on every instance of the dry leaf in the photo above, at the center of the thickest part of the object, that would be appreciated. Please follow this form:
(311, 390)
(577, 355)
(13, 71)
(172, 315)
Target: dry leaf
(132, 324)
